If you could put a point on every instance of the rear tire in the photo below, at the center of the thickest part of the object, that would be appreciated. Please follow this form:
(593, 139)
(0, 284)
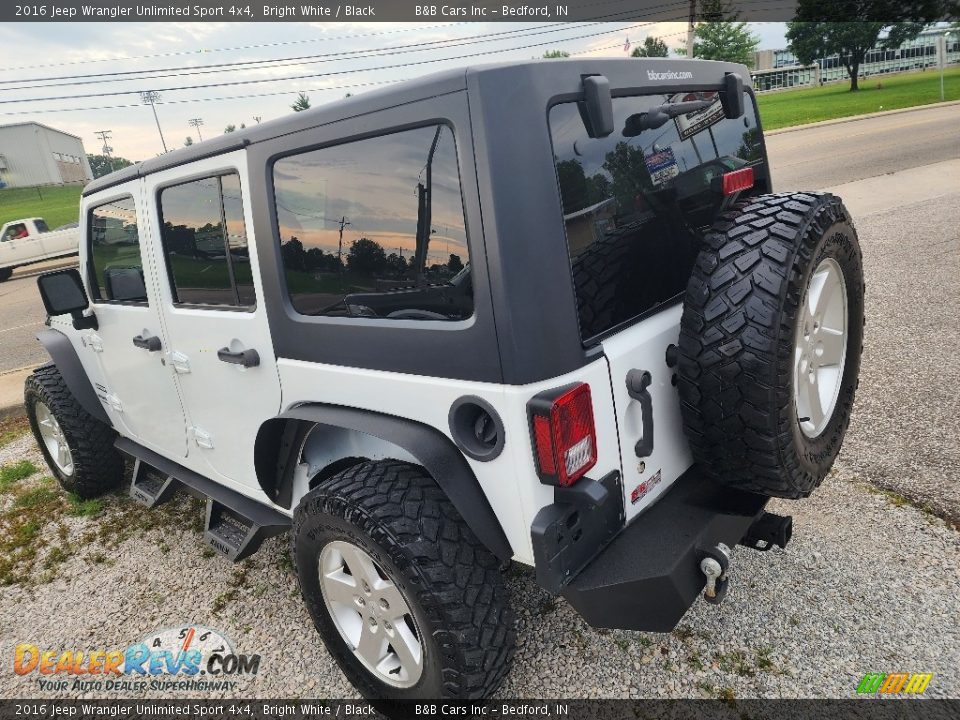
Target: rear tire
(413, 549)
(77, 447)
(5, 273)
(750, 344)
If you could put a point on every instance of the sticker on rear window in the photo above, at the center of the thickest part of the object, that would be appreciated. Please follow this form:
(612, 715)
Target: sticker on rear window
(662, 166)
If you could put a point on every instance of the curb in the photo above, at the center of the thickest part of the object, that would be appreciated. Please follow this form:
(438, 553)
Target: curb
(854, 118)
(15, 409)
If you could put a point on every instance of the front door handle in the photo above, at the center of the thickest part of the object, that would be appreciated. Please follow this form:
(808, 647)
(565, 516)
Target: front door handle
(246, 358)
(151, 343)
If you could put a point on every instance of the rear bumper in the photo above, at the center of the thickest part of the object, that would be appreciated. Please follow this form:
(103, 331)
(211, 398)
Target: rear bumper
(649, 575)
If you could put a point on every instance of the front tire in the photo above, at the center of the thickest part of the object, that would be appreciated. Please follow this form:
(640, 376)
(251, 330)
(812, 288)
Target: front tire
(770, 343)
(78, 448)
(406, 599)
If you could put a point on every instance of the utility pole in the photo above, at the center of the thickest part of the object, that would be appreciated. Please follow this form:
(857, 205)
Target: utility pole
(196, 122)
(693, 17)
(343, 224)
(105, 137)
(150, 97)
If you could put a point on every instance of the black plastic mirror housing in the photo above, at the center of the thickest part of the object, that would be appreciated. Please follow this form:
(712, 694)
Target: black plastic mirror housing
(62, 293)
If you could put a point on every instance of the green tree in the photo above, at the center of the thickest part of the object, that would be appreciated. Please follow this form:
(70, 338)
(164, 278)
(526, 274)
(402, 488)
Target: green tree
(555, 54)
(188, 142)
(366, 257)
(857, 28)
(454, 264)
(102, 165)
(652, 47)
(229, 128)
(301, 103)
(721, 37)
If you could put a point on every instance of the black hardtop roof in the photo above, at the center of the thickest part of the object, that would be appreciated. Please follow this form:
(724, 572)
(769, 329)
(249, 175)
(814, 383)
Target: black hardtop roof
(564, 74)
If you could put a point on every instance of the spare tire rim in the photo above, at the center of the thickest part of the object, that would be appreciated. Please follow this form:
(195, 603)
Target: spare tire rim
(371, 614)
(53, 439)
(820, 349)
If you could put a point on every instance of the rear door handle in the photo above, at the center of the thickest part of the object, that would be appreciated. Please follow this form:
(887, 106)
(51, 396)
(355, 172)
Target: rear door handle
(246, 358)
(150, 343)
(637, 383)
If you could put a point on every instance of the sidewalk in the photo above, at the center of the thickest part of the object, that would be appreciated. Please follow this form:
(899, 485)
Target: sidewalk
(11, 392)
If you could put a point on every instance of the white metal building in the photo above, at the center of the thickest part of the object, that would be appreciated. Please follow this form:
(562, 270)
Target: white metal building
(34, 154)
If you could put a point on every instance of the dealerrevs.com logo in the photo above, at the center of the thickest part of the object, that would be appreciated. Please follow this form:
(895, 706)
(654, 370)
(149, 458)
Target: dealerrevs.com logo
(191, 657)
(669, 75)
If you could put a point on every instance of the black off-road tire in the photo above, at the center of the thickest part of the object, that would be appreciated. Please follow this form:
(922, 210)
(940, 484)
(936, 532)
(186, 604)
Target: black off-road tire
(5, 273)
(398, 515)
(737, 342)
(97, 466)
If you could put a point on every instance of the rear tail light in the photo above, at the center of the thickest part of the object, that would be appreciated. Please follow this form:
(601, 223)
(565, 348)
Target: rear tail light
(563, 433)
(737, 181)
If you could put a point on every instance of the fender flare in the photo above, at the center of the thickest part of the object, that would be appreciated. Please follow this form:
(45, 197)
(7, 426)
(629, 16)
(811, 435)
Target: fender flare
(432, 449)
(65, 357)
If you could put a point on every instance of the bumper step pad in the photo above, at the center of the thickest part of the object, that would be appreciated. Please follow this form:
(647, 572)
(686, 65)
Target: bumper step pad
(150, 486)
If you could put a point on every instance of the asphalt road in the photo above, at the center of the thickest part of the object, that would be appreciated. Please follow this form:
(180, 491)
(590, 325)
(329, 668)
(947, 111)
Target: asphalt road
(807, 159)
(827, 155)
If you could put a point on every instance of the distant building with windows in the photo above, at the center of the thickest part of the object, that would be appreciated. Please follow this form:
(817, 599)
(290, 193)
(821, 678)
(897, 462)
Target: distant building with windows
(779, 69)
(34, 154)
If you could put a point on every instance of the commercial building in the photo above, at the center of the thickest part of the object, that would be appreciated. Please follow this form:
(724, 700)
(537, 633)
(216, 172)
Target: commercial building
(34, 154)
(778, 69)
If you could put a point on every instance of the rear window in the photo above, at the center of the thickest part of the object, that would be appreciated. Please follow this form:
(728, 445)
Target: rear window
(635, 203)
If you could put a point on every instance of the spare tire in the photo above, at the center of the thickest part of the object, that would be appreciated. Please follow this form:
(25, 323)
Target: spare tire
(770, 342)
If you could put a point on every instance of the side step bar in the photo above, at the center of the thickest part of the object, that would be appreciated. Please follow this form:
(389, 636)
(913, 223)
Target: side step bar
(236, 525)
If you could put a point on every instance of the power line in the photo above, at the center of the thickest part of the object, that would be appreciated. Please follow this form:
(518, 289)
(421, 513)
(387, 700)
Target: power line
(331, 73)
(229, 49)
(285, 61)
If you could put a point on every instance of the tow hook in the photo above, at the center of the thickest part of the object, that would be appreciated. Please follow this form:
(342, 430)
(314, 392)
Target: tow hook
(714, 567)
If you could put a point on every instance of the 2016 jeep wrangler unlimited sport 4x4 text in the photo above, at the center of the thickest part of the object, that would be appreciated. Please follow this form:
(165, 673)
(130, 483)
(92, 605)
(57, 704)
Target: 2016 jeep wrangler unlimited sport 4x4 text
(549, 312)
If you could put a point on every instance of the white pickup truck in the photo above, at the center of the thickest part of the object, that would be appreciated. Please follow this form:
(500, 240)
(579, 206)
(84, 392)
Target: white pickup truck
(27, 241)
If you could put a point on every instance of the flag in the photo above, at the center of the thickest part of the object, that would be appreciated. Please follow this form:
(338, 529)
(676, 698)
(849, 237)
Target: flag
(626, 45)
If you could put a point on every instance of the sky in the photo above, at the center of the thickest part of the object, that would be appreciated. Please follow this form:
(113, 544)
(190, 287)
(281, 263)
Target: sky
(104, 54)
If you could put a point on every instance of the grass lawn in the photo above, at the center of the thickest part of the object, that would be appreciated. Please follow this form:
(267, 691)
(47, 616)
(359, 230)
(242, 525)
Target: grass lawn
(877, 93)
(58, 205)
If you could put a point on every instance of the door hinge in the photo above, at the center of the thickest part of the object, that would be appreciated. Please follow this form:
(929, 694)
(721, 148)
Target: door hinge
(180, 362)
(115, 403)
(202, 438)
(95, 342)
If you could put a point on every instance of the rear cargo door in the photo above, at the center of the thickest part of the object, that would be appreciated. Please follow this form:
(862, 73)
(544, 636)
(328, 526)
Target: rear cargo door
(630, 353)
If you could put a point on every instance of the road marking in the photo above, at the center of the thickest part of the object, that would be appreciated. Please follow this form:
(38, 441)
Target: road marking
(21, 327)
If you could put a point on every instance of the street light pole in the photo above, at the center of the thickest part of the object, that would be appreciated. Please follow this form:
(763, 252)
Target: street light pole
(150, 97)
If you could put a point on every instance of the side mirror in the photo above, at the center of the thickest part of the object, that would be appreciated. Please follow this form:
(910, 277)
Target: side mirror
(596, 110)
(62, 293)
(731, 96)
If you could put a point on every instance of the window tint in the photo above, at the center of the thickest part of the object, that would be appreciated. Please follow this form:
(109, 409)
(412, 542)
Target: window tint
(375, 228)
(205, 243)
(15, 232)
(635, 203)
(115, 252)
(41, 225)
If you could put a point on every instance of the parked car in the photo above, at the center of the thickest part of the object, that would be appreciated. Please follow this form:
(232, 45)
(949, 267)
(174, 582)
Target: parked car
(539, 312)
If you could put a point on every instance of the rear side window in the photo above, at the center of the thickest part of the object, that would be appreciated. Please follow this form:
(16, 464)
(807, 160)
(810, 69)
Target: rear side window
(635, 203)
(375, 228)
(115, 260)
(205, 243)
(41, 226)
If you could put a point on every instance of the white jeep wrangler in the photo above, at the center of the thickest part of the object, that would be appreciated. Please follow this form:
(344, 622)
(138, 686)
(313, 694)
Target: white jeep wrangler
(548, 312)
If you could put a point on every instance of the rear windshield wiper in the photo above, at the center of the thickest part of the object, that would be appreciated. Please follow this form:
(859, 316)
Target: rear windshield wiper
(658, 116)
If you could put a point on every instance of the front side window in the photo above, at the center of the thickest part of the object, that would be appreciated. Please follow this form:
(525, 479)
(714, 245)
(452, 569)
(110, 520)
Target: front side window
(636, 203)
(115, 260)
(375, 228)
(205, 243)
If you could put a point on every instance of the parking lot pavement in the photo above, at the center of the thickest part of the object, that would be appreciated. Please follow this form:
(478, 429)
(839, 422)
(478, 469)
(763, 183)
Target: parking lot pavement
(865, 586)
